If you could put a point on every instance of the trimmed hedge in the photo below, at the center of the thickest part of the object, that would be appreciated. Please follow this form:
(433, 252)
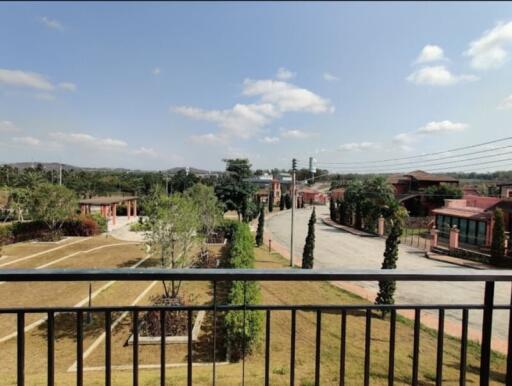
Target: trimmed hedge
(38, 230)
(240, 254)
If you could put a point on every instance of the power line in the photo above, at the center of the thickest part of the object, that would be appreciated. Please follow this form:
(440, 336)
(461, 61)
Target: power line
(419, 155)
(427, 164)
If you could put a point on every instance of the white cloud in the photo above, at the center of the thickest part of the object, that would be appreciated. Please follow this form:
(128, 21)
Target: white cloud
(30, 141)
(156, 71)
(438, 76)
(506, 103)
(430, 53)
(25, 79)
(147, 152)
(88, 140)
(285, 74)
(406, 140)
(209, 138)
(330, 77)
(441, 127)
(286, 96)
(241, 121)
(51, 23)
(270, 140)
(357, 146)
(67, 86)
(8, 127)
(44, 96)
(296, 134)
(246, 120)
(490, 50)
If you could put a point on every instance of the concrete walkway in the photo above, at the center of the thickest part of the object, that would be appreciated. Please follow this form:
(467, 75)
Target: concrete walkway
(338, 249)
(121, 230)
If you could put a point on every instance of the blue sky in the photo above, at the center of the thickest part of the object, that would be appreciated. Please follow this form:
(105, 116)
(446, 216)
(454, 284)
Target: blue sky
(157, 85)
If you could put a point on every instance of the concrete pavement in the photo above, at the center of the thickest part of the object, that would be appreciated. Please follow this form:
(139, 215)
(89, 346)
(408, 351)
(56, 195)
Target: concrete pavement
(335, 248)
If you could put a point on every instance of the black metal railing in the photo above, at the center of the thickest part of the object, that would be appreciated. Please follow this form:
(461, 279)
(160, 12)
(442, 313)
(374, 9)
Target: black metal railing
(489, 277)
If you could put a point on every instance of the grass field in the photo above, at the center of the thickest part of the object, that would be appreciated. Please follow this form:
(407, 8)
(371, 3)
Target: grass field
(119, 293)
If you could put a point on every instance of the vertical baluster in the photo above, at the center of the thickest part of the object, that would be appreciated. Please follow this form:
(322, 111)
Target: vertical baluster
(162, 347)
(51, 348)
(135, 319)
(292, 349)
(214, 370)
(509, 351)
(189, 348)
(79, 348)
(416, 346)
(318, 346)
(21, 348)
(243, 335)
(392, 338)
(463, 347)
(343, 345)
(485, 355)
(267, 349)
(440, 341)
(367, 347)
(108, 348)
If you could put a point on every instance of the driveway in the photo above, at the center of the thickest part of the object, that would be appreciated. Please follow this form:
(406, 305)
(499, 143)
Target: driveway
(335, 248)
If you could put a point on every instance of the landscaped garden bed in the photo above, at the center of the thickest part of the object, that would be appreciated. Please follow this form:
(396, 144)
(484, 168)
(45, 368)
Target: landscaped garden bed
(176, 323)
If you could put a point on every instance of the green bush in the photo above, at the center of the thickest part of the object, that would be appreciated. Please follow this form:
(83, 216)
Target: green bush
(101, 221)
(239, 329)
(6, 236)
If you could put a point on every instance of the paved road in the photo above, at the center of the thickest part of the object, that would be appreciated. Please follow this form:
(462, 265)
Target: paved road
(338, 249)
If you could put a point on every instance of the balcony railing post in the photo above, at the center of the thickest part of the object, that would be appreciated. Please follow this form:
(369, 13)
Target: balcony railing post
(21, 348)
(51, 348)
(214, 332)
(485, 354)
(509, 351)
(267, 349)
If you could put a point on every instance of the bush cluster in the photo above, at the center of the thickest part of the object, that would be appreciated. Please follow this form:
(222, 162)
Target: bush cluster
(38, 230)
(241, 255)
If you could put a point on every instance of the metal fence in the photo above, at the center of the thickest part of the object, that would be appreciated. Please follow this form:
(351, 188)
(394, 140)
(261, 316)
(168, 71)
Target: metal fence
(263, 275)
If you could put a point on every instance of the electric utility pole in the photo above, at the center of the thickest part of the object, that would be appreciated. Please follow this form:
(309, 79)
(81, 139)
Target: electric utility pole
(60, 174)
(294, 201)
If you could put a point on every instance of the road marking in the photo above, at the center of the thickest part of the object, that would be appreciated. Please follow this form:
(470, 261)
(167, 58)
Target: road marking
(43, 252)
(79, 304)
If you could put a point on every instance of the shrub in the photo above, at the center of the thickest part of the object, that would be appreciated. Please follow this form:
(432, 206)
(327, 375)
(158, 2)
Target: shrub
(309, 245)
(81, 226)
(101, 221)
(6, 236)
(261, 226)
(498, 236)
(241, 255)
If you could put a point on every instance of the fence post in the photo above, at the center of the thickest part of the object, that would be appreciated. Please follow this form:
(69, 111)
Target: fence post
(434, 238)
(380, 227)
(454, 238)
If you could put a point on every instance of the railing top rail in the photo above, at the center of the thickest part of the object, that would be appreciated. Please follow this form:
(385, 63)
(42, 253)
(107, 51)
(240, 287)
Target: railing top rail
(143, 274)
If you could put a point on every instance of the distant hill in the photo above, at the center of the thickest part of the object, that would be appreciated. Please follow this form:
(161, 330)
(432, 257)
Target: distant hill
(55, 167)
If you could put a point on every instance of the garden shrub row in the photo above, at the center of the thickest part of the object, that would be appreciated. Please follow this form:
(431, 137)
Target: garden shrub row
(240, 254)
(38, 230)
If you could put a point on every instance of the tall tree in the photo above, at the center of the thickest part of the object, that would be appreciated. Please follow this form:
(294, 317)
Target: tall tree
(52, 204)
(387, 287)
(498, 236)
(234, 191)
(288, 201)
(209, 210)
(332, 209)
(173, 222)
(261, 227)
(271, 201)
(309, 245)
